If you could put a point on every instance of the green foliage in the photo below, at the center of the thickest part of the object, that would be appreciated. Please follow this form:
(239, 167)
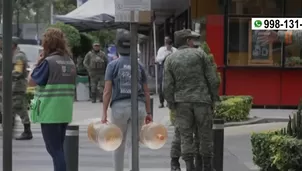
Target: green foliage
(282, 149)
(293, 61)
(207, 50)
(234, 108)
(71, 33)
(231, 108)
(276, 152)
(62, 7)
(105, 37)
(262, 151)
(86, 43)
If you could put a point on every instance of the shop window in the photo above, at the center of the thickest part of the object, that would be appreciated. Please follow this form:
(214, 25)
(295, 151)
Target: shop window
(256, 7)
(293, 8)
(244, 49)
(293, 55)
(199, 26)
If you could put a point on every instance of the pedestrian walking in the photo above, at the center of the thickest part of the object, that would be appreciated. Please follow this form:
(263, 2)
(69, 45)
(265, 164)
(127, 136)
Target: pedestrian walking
(117, 94)
(162, 53)
(175, 152)
(19, 87)
(95, 63)
(52, 106)
(191, 88)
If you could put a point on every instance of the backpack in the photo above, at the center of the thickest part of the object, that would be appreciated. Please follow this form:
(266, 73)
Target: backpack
(97, 61)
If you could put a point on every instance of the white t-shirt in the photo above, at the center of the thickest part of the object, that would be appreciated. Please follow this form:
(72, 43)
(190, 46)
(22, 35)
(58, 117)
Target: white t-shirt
(163, 52)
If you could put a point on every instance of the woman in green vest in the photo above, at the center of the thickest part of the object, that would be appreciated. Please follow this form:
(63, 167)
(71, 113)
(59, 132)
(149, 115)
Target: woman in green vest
(54, 77)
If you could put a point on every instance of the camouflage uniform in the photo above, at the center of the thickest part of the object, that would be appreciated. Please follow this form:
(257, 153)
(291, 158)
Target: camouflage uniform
(19, 86)
(191, 88)
(97, 76)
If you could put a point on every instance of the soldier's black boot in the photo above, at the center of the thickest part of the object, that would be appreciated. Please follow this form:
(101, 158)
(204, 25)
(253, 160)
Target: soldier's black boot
(198, 162)
(93, 97)
(190, 165)
(207, 164)
(175, 165)
(0, 118)
(27, 134)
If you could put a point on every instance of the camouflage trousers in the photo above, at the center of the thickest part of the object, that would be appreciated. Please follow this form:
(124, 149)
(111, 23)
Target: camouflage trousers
(97, 83)
(188, 118)
(176, 143)
(19, 106)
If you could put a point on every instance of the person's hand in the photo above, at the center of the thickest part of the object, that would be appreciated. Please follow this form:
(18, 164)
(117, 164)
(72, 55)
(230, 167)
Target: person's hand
(148, 119)
(267, 37)
(104, 118)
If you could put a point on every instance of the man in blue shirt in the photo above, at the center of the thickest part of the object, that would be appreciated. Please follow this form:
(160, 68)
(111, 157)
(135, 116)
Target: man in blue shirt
(118, 89)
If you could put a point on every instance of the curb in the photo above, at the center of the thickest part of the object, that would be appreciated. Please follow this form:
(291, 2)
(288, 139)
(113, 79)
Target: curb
(251, 121)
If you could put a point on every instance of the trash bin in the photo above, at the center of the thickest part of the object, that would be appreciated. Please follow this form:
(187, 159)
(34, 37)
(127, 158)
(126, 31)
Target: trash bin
(82, 88)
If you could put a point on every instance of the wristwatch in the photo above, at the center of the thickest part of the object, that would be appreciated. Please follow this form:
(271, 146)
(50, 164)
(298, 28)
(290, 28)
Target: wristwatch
(148, 113)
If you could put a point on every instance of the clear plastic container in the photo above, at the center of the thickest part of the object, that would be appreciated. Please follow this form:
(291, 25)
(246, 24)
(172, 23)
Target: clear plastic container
(154, 135)
(107, 136)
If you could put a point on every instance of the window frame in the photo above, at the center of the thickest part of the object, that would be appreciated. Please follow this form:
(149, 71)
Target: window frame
(228, 15)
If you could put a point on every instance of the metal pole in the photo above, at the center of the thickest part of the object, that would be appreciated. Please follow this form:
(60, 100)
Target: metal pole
(218, 134)
(155, 53)
(51, 12)
(151, 105)
(71, 148)
(134, 94)
(7, 84)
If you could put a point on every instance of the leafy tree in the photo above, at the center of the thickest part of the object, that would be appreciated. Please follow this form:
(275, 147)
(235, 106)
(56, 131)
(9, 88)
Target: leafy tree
(71, 33)
(62, 7)
(105, 37)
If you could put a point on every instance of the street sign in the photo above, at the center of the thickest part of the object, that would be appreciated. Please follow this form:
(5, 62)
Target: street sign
(131, 10)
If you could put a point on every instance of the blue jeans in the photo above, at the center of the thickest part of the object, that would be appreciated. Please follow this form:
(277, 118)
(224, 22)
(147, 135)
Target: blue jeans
(54, 136)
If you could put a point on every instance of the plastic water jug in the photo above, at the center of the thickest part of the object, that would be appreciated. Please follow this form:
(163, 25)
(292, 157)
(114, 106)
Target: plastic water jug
(107, 136)
(153, 135)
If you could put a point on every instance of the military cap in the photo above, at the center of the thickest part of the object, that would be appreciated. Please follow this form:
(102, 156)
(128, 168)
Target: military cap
(123, 41)
(96, 43)
(181, 36)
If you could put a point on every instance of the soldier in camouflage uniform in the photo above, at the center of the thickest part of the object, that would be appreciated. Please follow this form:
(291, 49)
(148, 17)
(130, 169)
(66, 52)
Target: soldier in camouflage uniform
(191, 88)
(19, 86)
(175, 152)
(96, 62)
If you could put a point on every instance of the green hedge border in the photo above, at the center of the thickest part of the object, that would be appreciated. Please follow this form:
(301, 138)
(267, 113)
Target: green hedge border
(275, 152)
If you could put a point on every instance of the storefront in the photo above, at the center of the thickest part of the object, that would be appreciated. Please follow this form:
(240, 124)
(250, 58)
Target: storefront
(270, 73)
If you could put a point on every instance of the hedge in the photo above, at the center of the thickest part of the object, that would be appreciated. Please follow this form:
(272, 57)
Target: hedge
(231, 108)
(275, 152)
(280, 150)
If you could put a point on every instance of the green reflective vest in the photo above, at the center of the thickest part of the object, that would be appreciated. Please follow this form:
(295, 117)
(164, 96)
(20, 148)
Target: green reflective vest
(53, 103)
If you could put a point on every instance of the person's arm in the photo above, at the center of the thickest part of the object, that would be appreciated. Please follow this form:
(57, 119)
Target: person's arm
(39, 75)
(146, 89)
(211, 76)
(294, 36)
(107, 89)
(86, 60)
(160, 57)
(169, 84)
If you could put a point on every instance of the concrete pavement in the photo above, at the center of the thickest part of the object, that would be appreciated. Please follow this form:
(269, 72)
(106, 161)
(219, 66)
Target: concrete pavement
(32, 156)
